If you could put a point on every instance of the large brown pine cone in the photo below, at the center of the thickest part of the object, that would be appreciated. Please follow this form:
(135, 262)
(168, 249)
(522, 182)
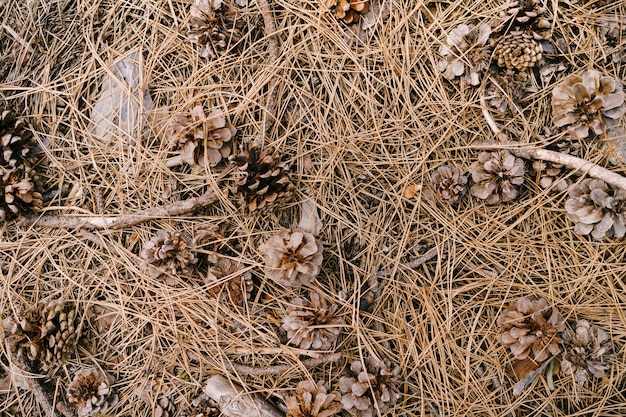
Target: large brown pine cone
(588, 101)
(239, 285)
(313, 400)
(597, 209)
(527, 15)
(168, 254)
(466, 53)
(313, 325)
(90, 392)
(517, 51)
(496, 176)
(531, 329)
(214, 26)
(586, 352)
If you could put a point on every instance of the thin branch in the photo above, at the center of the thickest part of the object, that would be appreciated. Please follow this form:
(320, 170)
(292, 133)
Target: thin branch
(119, 222)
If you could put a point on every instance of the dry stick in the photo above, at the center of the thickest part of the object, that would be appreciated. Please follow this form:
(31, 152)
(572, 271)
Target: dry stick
(279, 369)
(531, 152)
(119, 222)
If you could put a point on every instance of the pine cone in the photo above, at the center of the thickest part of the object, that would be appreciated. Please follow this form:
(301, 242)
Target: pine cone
(157, 395)
(518, 51)
(239, 285)
(266, 180)
(529, 328)
(610, 34)
(591, 100)
(496, 176)
(349, 11)
(292, 258)
(449, 183)
(311, 400)
(202, 406)
(168, 254)
(19, 188)
(90, 392)
(215, 27)
(509, 89)
(312, 325)
(46, 334)
(189, 136)
(380, 377)
(466, 53)
(586, 352)
(597, 209)
(527, 15)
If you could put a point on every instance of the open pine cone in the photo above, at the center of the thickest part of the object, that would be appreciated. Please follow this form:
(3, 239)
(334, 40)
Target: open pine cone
(530, 329)
(46, 334)
(266, 178)
(597, 209)
(239, 285)
(313, 400)
(508, 89)
(156, 394)
(517, 51)
(496, 176)
(466, 53)
(214, 27)
(90, 392)
(378, 380)
(527, 15)
(203, 140)
(202, 406)
(449, 183)
(313, 325)
(349, 11)
(19, 188)
(292, 258)
(585, 352)
(168, 254)
(588, 101)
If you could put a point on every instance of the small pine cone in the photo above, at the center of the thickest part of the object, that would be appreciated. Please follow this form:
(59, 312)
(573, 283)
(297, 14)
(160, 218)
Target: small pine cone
(16, 140)
(313, 400)
(90, 392)
(266, 180)
(586, 352)
(466, 53)
(46, 334)
(203, 140)
(530, 330)
(496, 176)
(202, 406)
(610, 34)
(597, 209)
(517, 51)
(509, 89)
(313, 325)
(239, 285)
(292, 257)
(214, 26)
(167, 255)
(157, 395)
(523, 15)
(589, 101)
(449, 183)
(357, 397)
(349, 11)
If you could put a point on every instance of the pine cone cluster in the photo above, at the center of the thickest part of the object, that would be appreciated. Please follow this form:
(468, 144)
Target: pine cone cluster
(168, 254)
(313, 400)
(157, 394)
(517, 51)
(349, 11)
(531, 329)
(238, 286)
(496, 176)
(19, 187)
(46, 334)
(466, 53)
(214, 26)
(266, 178)
(586, 352)
(449, 183)
(90, 392)
(377, 380)
(597, 209)
(312, 325)
(292, 257)
(527, 15)
(203, 140)
(202, 406)
(588, 101)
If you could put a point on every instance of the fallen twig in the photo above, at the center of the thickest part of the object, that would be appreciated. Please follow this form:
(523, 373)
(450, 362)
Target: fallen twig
(532, 152)
(119, 222)
(272, 46)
